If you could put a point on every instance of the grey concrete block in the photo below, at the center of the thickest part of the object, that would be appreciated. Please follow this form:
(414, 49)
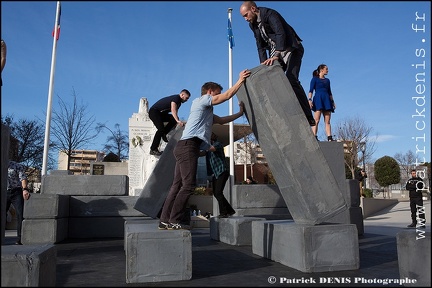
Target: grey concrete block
(129, 225)
(154, 255)
(256, 196)
(28, 266)
(334, 155)
(44, 231)
(307, 183)
(60, 172)
(156, 189)
(353, 192)
(370, 206)
(307, 248)
(102, 185)
(262, 211)
(414, 257)
(98, 227)
(45, 206)
(103, 206)
(234, 230)
(353, 215)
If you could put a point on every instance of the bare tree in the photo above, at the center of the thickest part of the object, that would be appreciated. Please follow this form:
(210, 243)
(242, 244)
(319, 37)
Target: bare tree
(247, 145)
(359, 145)
(406, 162)
(27, 145)
(118, 141)
(72, 127)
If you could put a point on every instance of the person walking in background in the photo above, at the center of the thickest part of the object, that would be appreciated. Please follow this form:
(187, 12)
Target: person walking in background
(322, 102)
(195, 138)
(159, 113)
(361, 176)
(414, 186)
(3, 57)
(217, 168)
(276, 40)
(17, 192)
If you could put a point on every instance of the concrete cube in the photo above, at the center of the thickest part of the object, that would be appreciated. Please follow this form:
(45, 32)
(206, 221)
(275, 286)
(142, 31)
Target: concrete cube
(414, 257)
(28, 266)
(154, 255)
(41, 231)
(234, 230)
(307, 248)
(43, 206)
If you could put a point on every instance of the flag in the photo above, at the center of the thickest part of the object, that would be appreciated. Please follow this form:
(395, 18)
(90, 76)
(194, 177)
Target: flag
(57, 25)
(230, 34)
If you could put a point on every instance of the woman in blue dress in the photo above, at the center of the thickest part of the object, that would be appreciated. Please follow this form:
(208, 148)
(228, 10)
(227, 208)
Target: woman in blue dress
(322, 102)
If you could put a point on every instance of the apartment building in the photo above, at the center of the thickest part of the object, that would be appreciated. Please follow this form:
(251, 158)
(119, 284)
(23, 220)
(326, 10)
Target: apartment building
(80, 161)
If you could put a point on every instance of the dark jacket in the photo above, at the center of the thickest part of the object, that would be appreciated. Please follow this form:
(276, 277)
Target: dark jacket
(277, 29)
(414, 186)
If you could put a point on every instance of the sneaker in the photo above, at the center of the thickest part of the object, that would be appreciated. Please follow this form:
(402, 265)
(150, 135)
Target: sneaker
(163, 225)
(178, 226)
(412, 225)
(164, 138)
(330, 138)
(155, 152)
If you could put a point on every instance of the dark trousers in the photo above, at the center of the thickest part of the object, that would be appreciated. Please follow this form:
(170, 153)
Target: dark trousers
(292, 72)
(414, 202)
(15, 197)
(218, 186)
(158, 118)
(186, 154)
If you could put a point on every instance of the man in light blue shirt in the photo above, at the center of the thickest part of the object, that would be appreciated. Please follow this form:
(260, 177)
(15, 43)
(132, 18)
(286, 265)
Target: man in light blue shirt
(195, 137)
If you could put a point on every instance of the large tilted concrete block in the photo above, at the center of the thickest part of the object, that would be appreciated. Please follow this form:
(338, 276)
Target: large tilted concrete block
(156, 189)
(103, 185)
(234, 230)
(103, 206)
(307, 184)
(28, 266)
(44, 231)
(307, 248)
(41, 206)
(154, 255)
(414, 257)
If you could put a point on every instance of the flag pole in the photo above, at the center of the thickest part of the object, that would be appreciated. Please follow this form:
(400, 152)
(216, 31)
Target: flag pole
(50, 92)
(231, 124)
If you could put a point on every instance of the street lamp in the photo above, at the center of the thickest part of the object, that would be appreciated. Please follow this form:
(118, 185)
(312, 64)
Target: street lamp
(363, 150)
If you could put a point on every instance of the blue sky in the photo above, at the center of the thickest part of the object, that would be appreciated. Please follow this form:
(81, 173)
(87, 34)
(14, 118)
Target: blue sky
(114, 53)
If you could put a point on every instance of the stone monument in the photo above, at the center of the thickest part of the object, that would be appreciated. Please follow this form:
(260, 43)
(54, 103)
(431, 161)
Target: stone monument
(141, 163)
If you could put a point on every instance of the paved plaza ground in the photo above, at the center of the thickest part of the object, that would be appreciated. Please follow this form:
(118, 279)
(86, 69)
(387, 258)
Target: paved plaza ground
(102, 263)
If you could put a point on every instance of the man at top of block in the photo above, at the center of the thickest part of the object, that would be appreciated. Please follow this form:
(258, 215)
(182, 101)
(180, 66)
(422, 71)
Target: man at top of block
(273, 34)
(195, 137)
(159, 113)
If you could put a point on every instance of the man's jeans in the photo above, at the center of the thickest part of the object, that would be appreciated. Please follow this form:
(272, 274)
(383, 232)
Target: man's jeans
(186, 153)
(15, 197)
